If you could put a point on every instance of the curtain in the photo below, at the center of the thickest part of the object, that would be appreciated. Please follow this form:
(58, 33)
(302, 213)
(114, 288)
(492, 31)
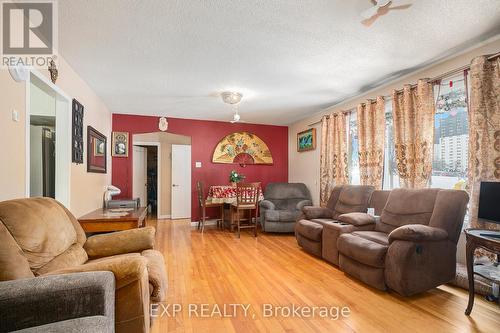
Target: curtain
(413, 116)
(371, 136)
(484, 130)
(333, 167)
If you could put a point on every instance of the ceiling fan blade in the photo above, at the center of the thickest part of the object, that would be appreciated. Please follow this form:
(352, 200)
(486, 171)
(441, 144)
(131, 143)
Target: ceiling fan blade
(369, 12)
(400, 7)
(370, 21)
(401, 2)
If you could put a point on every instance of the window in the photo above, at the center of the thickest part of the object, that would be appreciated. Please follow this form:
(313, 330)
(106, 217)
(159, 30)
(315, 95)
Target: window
(353, 149)
(391, 177)
(451, 134)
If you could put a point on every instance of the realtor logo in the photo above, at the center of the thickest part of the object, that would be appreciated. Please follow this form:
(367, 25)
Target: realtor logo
(28, 32)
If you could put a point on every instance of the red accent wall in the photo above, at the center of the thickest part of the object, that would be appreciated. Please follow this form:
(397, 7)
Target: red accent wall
(204, 137)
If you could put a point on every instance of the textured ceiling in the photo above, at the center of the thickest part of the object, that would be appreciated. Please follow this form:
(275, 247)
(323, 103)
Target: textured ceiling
(289, 58)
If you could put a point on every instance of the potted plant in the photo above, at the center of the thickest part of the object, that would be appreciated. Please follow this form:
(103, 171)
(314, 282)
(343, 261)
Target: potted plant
(235, 177)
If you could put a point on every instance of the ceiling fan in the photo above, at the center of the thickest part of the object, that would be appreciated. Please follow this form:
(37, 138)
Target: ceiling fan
(381, 8)
(233, 98)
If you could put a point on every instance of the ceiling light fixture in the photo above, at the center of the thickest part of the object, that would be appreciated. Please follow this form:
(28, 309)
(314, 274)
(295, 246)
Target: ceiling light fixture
(231, 97)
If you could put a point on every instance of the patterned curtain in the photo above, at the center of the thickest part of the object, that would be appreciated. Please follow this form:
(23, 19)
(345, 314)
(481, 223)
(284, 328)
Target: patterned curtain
(371, 136)
(484, 130)
(413, 114)
(333, 168)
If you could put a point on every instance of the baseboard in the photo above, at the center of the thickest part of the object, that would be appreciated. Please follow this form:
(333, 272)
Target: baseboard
(207, 222)
(163, 216)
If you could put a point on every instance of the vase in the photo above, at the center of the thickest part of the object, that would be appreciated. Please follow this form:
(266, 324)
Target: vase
(233, 184)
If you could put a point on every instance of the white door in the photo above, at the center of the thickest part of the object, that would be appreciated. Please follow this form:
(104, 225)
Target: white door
(181, 181)
(140, 179)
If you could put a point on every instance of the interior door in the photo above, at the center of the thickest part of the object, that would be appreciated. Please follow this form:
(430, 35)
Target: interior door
(181, 181)
(140, 179)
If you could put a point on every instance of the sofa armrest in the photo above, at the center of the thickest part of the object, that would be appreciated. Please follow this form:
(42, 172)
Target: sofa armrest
(120, 242)
(45, 300)
(312, 212)
(266, 204)
(126, 269)
(357, 219)
(417, 233)
(301, 204)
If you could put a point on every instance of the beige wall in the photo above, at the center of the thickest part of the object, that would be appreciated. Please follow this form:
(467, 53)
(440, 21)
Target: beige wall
(304, 167)
(86, 188)
(166, 141)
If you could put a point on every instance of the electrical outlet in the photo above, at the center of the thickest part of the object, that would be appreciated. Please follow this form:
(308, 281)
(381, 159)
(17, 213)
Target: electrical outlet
(15, 115)
(197, 165)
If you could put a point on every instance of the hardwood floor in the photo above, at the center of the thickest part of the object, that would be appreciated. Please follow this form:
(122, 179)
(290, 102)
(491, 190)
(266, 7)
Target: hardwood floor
(217, 268)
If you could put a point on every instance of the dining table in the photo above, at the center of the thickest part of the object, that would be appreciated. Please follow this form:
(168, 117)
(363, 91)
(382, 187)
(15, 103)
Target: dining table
(226, 194)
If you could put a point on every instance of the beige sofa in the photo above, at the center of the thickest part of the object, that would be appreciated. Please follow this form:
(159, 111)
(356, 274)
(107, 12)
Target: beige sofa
(40, 237)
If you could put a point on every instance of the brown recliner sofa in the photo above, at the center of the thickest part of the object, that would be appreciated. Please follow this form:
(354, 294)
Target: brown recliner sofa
(39, 236)
(412, 247)
(319, 227)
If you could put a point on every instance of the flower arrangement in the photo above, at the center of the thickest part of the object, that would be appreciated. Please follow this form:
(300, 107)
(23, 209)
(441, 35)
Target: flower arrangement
(235, 177)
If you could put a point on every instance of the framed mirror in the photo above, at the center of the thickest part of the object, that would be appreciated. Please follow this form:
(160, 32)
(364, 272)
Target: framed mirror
(96, 151)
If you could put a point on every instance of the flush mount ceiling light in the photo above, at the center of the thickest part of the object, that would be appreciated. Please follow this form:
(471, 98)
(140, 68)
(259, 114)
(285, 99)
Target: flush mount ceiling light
(231, 97)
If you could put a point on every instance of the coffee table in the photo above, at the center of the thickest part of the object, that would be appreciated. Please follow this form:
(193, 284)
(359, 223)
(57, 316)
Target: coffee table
(105, 220)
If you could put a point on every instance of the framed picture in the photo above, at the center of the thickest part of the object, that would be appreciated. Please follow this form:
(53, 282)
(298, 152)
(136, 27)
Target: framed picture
(96, 151)
(77, 133)
(120, 144)
(306, 140)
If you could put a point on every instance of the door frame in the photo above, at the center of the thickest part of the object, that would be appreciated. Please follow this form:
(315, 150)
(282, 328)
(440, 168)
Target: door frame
(158, 176)
(63, 166)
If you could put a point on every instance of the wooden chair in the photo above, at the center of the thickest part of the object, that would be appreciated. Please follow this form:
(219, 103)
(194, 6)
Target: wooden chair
(247, 200)
(204, 204)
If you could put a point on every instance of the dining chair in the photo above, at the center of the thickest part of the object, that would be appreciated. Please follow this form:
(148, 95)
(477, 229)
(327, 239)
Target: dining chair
(204, 204)
(247, 199)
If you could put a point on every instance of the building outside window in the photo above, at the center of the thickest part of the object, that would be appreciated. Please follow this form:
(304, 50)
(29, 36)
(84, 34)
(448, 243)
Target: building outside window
(353, 149)
(451, 134)
(391, 177)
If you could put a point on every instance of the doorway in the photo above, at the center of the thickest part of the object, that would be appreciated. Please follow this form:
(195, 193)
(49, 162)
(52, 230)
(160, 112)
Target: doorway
(162, 144)
(48, 140)
(145, 176)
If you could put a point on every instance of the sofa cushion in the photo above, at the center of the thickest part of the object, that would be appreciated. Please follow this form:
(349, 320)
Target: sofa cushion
(322, 221)
(309, 230)
(408, 206)
(41, 229)
(353, 198)
(281, 215)
(357, 218)
(374, 236)
(362, 250)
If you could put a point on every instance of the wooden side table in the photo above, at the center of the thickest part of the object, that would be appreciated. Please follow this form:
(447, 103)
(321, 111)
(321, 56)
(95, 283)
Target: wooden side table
(490, 241)
(104, 220)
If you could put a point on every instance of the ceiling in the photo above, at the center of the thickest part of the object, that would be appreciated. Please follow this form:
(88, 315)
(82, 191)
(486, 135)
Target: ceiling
(290, 59)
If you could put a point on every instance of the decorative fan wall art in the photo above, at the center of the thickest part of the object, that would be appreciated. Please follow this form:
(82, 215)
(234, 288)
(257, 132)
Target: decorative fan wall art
(242, 148)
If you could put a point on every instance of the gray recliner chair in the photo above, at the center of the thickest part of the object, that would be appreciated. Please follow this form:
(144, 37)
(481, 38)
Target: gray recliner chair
(282, 206)
(77, 303)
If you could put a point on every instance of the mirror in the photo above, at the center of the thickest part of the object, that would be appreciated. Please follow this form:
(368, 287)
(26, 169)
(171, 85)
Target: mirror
(96, 151)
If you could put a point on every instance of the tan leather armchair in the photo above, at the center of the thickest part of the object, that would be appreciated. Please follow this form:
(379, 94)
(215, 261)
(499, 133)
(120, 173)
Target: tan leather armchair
(39, 236)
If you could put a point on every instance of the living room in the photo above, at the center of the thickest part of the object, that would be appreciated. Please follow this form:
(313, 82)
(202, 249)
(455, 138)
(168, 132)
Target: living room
(264, 166)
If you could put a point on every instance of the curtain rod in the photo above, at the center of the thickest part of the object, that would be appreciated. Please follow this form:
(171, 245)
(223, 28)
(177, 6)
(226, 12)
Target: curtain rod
(433, 80)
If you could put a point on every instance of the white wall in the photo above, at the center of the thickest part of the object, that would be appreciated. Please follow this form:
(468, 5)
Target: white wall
(86, 189)
(304, 167)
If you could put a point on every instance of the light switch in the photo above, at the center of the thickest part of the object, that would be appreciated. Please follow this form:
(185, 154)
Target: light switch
(197, 165)
(15, 115)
